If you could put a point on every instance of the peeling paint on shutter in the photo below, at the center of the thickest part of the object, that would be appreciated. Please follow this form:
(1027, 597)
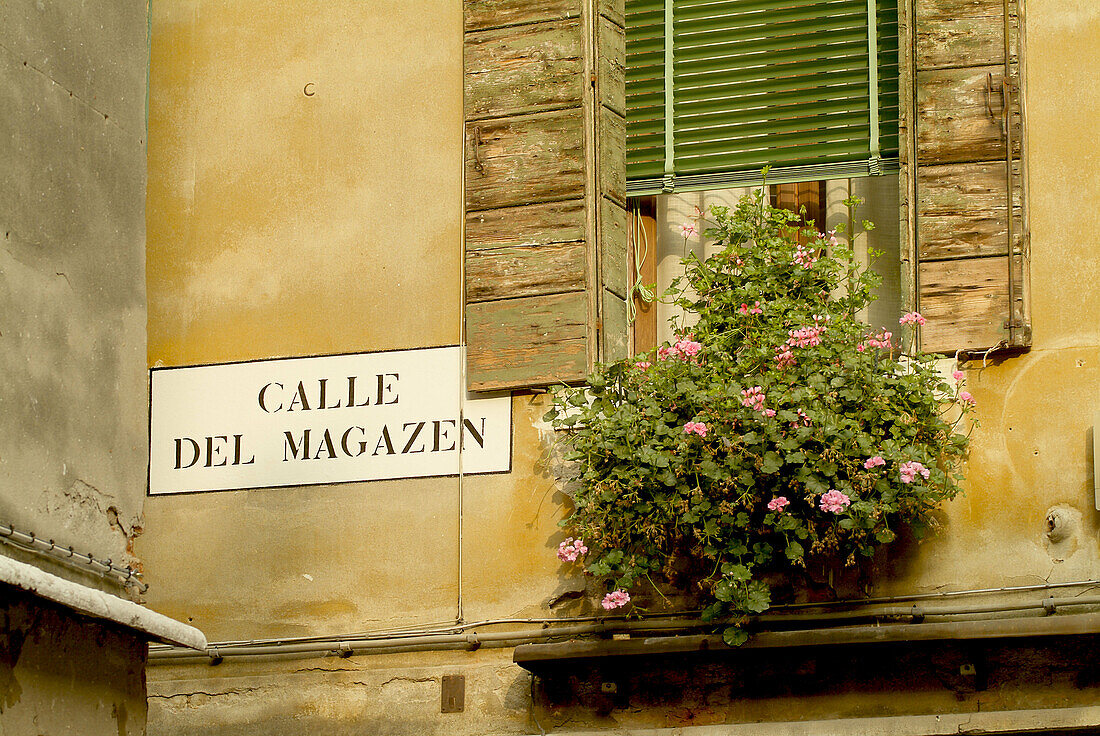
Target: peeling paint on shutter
(967, 183)
(545, 246)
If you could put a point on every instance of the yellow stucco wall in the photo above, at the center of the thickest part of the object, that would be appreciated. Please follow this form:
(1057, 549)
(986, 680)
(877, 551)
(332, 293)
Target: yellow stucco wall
(305, 178)
(1032, 451)
(286, 224)
(304, 199)
(281, 224)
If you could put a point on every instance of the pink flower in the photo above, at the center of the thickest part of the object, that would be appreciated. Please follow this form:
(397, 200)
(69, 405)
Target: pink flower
(802, 419)
(784, 358)
(805, 257)
(698, 428)
(967, 398)
(642, 365)
(806, 337)
(834, 501)
(958, 375)
(777, 504)
(615, 599)
(911, 469)
(570, 550)
(769, 412)
(753, 398)
(754, 309)
(685, 349)
(880, 340)
(911, 318)
(873, 462)
(688, 229)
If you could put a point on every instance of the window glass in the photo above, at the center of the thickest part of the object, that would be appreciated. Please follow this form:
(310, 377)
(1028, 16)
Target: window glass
(659, 244)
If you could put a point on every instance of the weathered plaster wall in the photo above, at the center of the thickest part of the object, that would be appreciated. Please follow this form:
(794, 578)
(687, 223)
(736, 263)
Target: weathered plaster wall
(1032, 452)
(400, 693)
(62, 673)
(304, 199)
(284, 224)
(245, 269)
(72, 292)
(305, 163)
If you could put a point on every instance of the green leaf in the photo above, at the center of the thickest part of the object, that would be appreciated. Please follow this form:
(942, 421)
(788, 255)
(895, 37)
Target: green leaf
(712, 612)
(734, 636)
(758, 598)
(599, 569)
(736, 573)
(794, 551)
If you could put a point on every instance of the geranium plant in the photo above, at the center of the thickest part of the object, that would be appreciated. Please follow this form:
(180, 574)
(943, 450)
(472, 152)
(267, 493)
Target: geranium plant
(775, 430)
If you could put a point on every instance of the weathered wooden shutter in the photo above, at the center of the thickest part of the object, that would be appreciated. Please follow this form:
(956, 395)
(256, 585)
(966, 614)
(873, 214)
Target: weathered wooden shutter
(967, 184)
(545, 248)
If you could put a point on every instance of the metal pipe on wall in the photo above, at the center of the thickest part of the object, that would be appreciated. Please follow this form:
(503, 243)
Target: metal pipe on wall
(346, 646)
(31, 543)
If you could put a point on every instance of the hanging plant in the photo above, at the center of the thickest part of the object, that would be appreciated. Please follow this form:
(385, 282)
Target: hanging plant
(777, 429)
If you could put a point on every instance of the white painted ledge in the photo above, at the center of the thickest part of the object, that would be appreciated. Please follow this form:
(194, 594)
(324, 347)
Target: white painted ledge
(98, 604)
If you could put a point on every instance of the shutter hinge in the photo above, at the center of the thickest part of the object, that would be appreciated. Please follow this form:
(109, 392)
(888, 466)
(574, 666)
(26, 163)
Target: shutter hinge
(1020, 332)
(668, 183)
(990, 90)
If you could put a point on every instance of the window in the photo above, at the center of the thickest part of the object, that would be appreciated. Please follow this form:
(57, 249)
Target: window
(658, 245)
(717, 90)
(561, 131)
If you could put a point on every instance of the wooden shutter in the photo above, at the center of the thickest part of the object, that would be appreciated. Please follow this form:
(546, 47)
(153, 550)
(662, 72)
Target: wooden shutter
(717, 89)
(545, 247)
(967, 181)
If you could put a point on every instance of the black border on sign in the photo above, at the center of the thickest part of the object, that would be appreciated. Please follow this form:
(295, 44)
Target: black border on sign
(149, 428)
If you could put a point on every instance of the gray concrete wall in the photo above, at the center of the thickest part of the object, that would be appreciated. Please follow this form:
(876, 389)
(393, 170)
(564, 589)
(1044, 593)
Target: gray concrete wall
(66, 674)
(73, 386)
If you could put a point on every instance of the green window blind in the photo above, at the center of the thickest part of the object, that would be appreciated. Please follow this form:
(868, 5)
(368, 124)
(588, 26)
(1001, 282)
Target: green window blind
(718, 89)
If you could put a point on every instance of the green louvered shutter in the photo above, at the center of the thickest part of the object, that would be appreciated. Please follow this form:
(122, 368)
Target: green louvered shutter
(798, 85)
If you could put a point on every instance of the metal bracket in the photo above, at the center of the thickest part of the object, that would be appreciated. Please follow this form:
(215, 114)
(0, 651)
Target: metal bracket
(477, 150)
(989, 91)
(453, 694)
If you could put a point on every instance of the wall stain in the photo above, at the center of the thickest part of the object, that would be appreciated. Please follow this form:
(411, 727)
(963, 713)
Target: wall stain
(118, 712)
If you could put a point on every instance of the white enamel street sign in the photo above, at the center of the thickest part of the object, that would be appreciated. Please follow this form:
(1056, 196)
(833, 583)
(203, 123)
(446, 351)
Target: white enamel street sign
(331, 419)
